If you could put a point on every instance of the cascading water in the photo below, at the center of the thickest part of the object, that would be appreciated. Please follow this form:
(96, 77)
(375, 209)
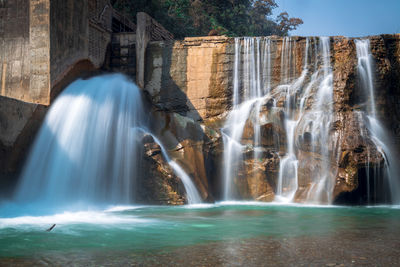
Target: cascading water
(192, 193)
(288, 178)
(316, 121)
(89, 145)
(251, 81)
(303, 114)
(378, 133)
(319, 120)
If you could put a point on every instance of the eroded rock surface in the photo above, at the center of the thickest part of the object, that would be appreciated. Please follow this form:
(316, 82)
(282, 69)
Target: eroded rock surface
(158, 184)
(194, 78)
(189, 88)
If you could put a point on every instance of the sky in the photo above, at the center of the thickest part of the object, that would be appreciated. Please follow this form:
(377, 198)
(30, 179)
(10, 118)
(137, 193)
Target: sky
(352, 18)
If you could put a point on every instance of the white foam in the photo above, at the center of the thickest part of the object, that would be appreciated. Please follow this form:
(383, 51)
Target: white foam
(275, 203)
(123, 208)
(82, 217)
(200, 206)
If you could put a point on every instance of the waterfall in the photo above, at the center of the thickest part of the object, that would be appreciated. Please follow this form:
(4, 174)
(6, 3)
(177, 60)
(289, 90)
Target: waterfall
(288, 177)
(303, 114)
(248, 92)
(88, 148)
(379, 134)
(191, 191)
(232, 155)
(320, 121)
(364, 66)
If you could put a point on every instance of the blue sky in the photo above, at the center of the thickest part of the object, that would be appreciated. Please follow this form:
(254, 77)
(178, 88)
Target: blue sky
(351, 18)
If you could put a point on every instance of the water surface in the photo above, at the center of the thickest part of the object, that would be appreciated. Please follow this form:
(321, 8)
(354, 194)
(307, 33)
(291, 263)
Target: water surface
(216, 234)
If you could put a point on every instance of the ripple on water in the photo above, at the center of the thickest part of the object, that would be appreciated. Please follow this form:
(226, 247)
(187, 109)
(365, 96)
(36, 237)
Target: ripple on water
(145, 229)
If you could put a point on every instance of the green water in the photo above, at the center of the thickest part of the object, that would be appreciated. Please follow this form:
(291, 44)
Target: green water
(154, 229)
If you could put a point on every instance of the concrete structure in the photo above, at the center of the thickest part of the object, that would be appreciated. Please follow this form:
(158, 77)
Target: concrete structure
(45, 44)
(147, 30)
(41, 41)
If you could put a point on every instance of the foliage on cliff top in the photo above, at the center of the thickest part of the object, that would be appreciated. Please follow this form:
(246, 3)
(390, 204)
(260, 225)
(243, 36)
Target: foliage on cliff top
(201, 17)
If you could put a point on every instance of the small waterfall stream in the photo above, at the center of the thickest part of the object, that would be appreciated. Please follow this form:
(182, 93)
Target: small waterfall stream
(320, 121)
(86, 150)
(378, 133)
(191, 191)
(251, 83)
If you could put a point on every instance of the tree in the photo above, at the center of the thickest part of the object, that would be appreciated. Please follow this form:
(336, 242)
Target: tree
(287, 24)
(199, 17)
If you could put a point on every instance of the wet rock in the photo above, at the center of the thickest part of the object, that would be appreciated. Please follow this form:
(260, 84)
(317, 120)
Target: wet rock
(158, 183)
(187, 144)
(270, 123)
(357, 151)
(256, 175)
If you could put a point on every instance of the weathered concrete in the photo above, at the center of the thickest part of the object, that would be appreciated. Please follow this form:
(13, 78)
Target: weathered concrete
(24, 50)
(42, 40)
(19, 122)
(100, 29)
(123, 54)
(142, 39)
(69, 31)
(147, 30)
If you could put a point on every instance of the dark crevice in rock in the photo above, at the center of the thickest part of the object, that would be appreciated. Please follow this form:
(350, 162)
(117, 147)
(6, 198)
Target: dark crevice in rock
(373, 189)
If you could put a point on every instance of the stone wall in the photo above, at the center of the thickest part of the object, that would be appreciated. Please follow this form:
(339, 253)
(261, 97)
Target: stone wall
(123, 53)
(99, 39)
(39, 52)
(24, 38)
(81, 30)
(42, 40)
(69, 36)
(100, 28)
(19, 122)
(100, 12)
(14, 43)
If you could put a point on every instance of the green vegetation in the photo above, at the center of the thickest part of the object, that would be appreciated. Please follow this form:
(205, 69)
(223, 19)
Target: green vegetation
(211, 17)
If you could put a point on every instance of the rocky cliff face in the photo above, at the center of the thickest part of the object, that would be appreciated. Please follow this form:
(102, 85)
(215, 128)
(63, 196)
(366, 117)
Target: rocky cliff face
(358, 153)
(194, 78)
(190, 90)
